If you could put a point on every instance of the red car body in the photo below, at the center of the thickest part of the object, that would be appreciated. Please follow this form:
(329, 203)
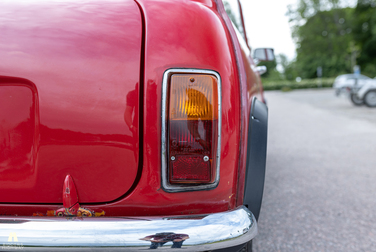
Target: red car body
(81, 96)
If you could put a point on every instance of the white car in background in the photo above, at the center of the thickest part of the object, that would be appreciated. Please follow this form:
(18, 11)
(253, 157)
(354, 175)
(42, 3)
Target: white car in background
(367, 93)
(349, 84)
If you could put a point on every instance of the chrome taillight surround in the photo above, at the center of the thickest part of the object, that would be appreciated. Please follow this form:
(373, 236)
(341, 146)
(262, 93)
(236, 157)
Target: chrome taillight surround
(164, 141)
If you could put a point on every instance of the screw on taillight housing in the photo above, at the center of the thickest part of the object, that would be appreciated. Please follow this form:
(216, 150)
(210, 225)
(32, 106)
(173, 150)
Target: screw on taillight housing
(191, 119)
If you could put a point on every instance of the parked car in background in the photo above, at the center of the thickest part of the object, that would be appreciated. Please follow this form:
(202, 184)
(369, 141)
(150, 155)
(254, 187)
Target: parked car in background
(367, 93)
(344, 82)
(349, 84)
(130, 124)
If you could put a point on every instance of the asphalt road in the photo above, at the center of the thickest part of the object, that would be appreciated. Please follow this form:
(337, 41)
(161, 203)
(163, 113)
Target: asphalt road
(320, 187)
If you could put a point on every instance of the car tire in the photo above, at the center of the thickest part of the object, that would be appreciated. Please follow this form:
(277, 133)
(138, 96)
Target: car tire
(355, 100)
(370, 98)
(250, 249)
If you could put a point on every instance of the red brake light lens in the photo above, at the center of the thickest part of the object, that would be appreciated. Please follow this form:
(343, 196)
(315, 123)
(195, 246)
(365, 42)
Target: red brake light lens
(192, 128)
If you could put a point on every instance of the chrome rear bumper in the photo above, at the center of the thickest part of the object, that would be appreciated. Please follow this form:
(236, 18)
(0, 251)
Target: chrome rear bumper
(191, 233)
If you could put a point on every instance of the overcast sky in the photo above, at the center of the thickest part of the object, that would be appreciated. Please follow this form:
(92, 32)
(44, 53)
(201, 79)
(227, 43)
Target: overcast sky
(268, 26)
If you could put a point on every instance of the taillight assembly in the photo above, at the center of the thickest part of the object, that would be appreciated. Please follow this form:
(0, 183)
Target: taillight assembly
(191, 119)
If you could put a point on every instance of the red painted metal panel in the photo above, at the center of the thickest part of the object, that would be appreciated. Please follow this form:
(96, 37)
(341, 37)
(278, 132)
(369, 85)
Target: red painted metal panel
(17, 137)
(84, 59)
(178, 34)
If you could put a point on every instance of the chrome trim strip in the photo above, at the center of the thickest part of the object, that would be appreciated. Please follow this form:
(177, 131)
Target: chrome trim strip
(207, 232)
(182, 188)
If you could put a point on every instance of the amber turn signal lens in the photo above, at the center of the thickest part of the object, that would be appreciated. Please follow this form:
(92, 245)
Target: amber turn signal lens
(193, 124)
(193, 97)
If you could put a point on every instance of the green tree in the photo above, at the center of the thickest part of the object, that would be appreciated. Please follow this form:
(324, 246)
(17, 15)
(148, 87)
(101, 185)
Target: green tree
(365, 35)
(271, 66)
(288, 67)
(323, 35)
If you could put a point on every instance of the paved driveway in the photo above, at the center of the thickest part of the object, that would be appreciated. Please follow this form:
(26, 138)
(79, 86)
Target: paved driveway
(320, 190)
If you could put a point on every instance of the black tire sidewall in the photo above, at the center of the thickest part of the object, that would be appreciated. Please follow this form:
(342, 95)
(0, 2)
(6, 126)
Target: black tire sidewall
(365, 100)
(356, 102)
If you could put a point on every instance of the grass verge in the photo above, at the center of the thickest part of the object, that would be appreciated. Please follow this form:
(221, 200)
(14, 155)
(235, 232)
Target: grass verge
(286, 85)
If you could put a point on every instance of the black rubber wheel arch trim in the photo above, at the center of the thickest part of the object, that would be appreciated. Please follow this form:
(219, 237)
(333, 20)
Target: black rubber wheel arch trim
(256, 157)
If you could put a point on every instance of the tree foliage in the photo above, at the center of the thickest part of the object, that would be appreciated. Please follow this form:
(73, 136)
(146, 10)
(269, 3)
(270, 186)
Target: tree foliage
(270, 66)
(333, 36)
(323, 35)
(365, 35)
(288, 68)
(325, 40)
